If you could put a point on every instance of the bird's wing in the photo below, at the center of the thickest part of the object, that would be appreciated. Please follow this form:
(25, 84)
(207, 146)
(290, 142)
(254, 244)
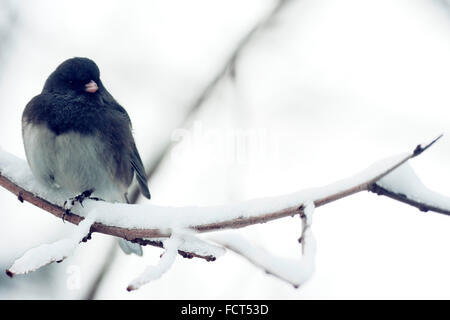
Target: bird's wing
(135, 158)
(138, 167)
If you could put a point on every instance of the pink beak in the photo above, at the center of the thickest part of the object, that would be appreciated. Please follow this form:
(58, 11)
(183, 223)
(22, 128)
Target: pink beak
(91, 87)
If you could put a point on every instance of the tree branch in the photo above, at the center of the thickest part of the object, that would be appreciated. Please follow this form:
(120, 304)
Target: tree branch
(226, 217)
(293, 271)
(375, 188)
(147, 224)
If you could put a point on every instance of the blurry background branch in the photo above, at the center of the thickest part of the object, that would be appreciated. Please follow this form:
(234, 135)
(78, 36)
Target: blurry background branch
(228, 68)
(154, 163)
(444, 4)
(8, 21)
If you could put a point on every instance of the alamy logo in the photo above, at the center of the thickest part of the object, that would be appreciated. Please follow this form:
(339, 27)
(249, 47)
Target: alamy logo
(225, 146)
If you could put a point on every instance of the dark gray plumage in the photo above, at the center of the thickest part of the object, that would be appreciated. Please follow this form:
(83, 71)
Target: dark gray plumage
(77, 137)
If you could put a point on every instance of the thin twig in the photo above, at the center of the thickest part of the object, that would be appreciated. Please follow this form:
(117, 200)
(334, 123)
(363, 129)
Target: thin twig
(424, 207)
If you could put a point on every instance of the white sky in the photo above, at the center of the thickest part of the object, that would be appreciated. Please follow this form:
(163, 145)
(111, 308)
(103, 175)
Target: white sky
(329, 89)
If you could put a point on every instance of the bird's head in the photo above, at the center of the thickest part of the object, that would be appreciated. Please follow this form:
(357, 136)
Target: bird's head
(80, 75)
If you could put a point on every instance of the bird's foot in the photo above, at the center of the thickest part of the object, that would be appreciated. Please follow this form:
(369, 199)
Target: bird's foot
(68, 204)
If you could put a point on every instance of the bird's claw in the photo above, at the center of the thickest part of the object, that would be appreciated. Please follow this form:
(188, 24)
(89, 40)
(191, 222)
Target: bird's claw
(66, 212)
(69, 203)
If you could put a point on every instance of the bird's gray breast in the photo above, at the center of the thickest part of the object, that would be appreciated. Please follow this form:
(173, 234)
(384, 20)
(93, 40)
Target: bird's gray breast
(72, 161)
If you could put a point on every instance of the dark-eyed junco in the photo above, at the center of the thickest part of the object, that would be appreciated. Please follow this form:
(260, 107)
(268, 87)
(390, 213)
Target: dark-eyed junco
(78, 138)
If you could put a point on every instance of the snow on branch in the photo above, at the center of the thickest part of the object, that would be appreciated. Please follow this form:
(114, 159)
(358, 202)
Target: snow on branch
(191, 246)
(154, 272)
(294, 271)
(405, 186)
(45, 254)
(153, 224)
(145, 221)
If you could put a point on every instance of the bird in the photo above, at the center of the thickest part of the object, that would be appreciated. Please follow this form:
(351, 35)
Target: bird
(78, 139)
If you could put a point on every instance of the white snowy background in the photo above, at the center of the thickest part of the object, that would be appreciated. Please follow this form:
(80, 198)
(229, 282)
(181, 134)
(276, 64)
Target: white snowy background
(321, 92)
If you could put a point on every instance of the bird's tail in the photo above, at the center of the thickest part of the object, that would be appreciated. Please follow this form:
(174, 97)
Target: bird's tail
(129, 247)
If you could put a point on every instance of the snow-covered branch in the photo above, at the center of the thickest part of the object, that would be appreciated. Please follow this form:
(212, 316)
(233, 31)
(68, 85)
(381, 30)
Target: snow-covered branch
(153, 224)
(45, 254)
(294, 271)
(154, 272)
(405, 186)
(144, 221)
